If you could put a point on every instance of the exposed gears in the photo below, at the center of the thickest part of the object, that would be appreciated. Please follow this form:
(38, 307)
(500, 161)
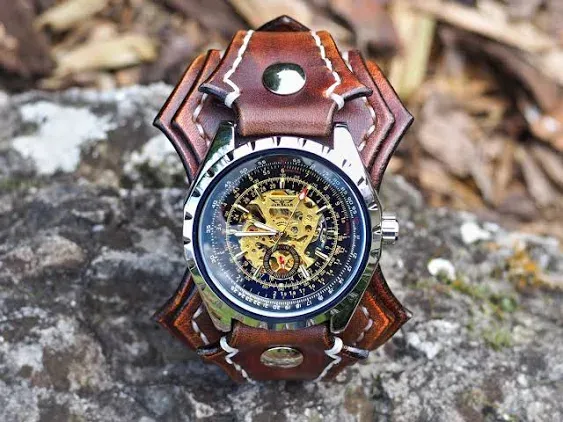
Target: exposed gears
(281, 262)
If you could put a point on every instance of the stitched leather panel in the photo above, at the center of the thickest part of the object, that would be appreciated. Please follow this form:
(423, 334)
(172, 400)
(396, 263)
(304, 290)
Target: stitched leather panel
(185, 316)
(237, 81)
(248, 344)
(199, 115)
(164, 117)
(402, 121)
(369, 119)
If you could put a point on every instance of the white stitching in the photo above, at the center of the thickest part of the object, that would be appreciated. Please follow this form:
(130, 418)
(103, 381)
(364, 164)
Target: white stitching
(232, 96)
(367, 327)
(196, 327)
(337, 81)
(333, 354)
(231, 352)
(196, 121)
(371, 129)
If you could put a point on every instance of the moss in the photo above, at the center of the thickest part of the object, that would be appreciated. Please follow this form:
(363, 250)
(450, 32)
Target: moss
(498, 337)
(503, 303)
(11, 184)
(424, 284)
(476, 291)
(475, 404)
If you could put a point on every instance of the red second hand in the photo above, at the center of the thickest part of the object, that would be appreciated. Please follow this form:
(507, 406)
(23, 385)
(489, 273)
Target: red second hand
(282, 262)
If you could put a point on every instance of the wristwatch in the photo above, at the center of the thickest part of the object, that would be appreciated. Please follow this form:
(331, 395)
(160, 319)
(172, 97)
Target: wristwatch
(285, 142)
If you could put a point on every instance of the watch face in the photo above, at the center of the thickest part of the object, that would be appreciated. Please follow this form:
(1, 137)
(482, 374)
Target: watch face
(281, 235)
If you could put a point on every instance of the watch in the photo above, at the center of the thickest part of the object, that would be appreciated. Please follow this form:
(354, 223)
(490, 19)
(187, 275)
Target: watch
(284, 141)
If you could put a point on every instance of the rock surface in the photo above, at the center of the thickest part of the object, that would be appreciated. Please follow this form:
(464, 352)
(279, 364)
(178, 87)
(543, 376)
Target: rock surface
(90, 247)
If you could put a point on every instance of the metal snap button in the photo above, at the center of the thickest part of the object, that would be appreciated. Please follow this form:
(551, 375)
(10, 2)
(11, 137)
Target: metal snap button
(282, 357)
(284, 78)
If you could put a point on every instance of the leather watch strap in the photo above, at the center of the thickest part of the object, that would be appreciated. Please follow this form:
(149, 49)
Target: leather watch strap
(377, 318)
(309, 112)
(338, 89)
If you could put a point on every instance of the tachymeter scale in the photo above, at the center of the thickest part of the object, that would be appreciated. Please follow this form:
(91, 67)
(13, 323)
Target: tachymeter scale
(281, 235)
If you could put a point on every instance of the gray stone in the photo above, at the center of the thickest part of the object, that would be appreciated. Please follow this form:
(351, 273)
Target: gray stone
(90, 247)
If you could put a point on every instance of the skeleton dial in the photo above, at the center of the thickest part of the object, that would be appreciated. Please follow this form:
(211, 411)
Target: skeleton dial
(290, 240)
(282, 233)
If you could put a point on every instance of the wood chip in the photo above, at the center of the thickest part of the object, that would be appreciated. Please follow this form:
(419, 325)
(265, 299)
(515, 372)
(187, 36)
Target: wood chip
(215, 15)
(481, 172)
(23, 51)
(504, 172)
(490, 21)
(70, 13)
(523, 9)
(519, 204)
(258, 12)
(416, 32)
(549, 64)
(551, 161)
(537, 183)
(371, 24)
(445, 133)
(434, 178)
(121, 51)
(528, 72)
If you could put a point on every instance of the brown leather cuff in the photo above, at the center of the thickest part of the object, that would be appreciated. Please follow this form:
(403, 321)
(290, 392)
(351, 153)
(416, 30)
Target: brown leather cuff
(190, 118)
(339, 89)
(377, 318)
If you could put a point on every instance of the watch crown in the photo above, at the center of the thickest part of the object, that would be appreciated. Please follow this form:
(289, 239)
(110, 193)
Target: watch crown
(389, 228)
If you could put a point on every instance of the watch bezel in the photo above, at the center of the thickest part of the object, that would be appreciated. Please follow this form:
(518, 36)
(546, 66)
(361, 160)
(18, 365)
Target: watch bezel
(225, 151)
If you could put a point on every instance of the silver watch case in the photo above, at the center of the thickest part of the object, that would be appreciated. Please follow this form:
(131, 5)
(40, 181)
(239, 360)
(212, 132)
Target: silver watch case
(223, 152)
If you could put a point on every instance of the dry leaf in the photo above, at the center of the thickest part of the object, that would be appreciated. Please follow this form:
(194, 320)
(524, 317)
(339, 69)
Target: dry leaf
(258, 12)
(370, 22)
(445, 133)
(434, 178)
(118, 52)
(549, 63)
(504, 172)
(215, 15)
(551, 161)
(68, 14)
(537, 183)
(490, 20)
(519, 204)
(23, 50)
(416, 32)
(523, 9)
(481, 173)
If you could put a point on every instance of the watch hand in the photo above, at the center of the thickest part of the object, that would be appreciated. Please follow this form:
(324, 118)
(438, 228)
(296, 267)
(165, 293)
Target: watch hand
(301, 197)
(251, 233)
(264, 226)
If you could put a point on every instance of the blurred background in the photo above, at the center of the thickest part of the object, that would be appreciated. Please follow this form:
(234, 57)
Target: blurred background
(483, 78)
